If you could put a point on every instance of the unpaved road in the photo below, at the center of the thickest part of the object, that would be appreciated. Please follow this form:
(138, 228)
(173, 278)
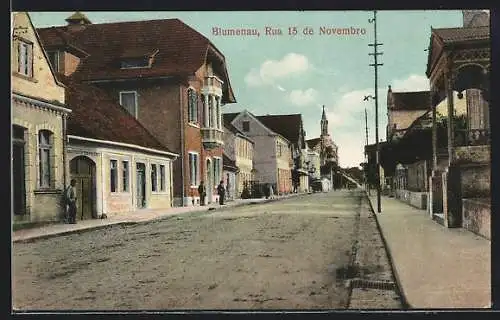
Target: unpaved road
(279, 255)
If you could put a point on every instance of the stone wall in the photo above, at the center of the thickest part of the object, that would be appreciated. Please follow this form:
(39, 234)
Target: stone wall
(415, 199)
(476, 216)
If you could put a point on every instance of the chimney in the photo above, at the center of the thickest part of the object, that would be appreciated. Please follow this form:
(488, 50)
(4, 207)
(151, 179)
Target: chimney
(77, 21)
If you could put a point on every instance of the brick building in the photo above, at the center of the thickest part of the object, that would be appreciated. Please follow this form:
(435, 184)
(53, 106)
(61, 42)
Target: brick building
(39, 118)
(167, 75)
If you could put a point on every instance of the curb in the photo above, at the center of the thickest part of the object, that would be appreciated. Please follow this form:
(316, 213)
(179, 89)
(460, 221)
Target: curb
(127, 223)
(65, 233)
(398, 286)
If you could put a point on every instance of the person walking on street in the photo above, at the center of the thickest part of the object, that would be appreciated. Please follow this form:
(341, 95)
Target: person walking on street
(221, 191)
(71, 201)
(202, 192)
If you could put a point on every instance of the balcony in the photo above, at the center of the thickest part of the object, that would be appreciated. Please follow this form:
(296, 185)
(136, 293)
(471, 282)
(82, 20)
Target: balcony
(212, 138)
(212, 85)
(473, 137)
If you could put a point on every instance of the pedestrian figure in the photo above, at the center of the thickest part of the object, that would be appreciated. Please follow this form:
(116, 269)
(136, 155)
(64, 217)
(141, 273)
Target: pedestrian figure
(70, 196)
(202, 192)
(271, 192)
(221, 191)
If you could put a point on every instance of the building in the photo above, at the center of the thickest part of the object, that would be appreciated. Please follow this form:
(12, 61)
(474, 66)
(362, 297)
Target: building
(39, 114)
(171, 78)
(327, 150)
(290, 126)
(460, 186)
(118, 165)
(272, 152)
(238, 153)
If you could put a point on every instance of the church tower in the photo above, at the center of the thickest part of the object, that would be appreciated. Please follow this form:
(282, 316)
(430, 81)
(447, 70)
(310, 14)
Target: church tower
(324, 123)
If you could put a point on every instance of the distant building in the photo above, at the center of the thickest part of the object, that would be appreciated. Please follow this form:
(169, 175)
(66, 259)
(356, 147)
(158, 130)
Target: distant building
(327, 150)
(39, 116)
(238, 158)
(291, 127)
(272, 152)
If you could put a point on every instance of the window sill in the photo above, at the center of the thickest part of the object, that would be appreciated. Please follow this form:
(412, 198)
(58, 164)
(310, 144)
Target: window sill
(193, 187)
(193, 124)
(47, 191)
(25, 77)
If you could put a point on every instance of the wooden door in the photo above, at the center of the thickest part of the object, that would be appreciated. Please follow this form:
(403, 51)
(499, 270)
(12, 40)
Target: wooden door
(18, 171)
(141, 185)
(82, 170)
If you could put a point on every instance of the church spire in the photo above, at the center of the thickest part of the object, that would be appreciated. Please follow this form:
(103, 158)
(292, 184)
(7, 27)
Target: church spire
(324, 123)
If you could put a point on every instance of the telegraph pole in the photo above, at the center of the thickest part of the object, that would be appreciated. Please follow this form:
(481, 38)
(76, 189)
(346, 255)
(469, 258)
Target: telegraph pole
(375, 55)
(367, 185)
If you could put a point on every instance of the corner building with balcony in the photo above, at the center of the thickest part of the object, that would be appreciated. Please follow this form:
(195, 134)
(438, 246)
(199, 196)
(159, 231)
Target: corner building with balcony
(171, 78)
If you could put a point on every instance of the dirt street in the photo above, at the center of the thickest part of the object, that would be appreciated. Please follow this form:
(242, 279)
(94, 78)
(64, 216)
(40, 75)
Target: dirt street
(280, 255)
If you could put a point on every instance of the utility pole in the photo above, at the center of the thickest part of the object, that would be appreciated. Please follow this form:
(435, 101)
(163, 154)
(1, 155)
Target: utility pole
(375, 55)
(367, 185)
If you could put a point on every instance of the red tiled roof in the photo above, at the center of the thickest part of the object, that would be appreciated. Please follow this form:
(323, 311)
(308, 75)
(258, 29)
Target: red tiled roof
(451, 35)
(96, 115)
(181, 49)
(417, 100)
(286, 125)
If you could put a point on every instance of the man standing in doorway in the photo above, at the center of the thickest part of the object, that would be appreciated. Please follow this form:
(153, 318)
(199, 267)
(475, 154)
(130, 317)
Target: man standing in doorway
(71, 201)
(221, 191)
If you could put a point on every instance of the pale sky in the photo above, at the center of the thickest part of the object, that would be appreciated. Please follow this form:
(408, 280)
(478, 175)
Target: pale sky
(279, 74)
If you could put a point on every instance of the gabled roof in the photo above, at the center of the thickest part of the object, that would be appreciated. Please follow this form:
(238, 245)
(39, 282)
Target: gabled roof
(236, 131)
(96, 115)
(40, 43)
(417, 100)
(181, 49)
(444, 37)
(229, 117)
(287, 125)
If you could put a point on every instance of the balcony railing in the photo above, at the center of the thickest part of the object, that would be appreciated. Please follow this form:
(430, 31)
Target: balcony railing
(472, 137)
(212, 137)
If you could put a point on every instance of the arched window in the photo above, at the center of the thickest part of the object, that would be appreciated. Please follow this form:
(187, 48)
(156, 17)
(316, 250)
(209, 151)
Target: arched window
(44, 158)
(192, 106)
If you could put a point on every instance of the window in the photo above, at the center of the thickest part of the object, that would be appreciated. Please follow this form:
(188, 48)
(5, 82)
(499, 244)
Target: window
(154, 178)
(193, 168)
(217, 170)
(128, 100)
(278, 149)
(125, 173)
(131, 63)
(44, 156)
(192, 106)
(162, 177)
(25, 58)
(246, 126)
(113, 175)
(54, 60)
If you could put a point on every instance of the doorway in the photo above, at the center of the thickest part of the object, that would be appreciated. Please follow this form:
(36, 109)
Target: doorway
(141, 185)
(82, 169)
(18, 171)
(209, 179)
